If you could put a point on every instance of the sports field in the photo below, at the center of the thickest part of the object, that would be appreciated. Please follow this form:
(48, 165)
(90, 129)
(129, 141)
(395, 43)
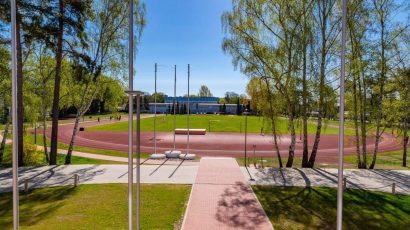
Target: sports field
(218, 123)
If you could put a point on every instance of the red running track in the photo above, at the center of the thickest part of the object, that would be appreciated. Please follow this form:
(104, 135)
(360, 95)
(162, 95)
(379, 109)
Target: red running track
(219, 144)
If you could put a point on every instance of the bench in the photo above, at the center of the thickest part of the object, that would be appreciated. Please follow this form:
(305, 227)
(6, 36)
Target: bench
(191, 131)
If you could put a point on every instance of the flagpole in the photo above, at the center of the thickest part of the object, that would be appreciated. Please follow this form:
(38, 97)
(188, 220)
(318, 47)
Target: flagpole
(188, 111)
(130, 110)
(341, 124)
(14, 116)
(174, 105)
(155, 111)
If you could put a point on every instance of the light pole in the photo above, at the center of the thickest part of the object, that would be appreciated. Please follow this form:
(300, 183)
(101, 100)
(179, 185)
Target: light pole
(339, 221)
(246, 134)
(246, 113)
(130, 108)
(254, 156)
(138, 157)
(14, 116)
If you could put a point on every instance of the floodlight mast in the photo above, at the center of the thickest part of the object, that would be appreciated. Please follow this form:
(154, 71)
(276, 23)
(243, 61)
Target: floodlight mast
(339, 221)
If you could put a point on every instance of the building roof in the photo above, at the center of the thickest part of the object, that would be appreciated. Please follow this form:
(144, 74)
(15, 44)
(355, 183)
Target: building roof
(192, 99)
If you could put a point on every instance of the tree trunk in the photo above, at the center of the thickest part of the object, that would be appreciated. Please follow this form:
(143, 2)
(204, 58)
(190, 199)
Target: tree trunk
(272, 117)
(405, 142)
(20, 112)
(378, 124)
(80, 112)
(304, 102)
(323, 53)
(6, 132)
(356, 123)
(56, 99)
(44, 117)
(291, 109)
(289, 163)
(363, 117)
(380, 97)
(275, 141)
(73, 136)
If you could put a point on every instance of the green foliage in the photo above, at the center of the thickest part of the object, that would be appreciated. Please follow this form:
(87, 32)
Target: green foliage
(204, 91)
(5, 83)
(31, 155)
(297, 58)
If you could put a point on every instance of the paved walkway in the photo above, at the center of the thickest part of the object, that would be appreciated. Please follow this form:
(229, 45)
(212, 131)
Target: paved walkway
(221, 198)
(50, 176)
(376, 180)
(124, 159)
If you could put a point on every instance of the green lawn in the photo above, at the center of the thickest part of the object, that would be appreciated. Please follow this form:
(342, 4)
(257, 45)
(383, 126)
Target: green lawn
(60, 159)
(386, 160)
(30, 139)
(216, 123)
(87, 118)
(273, 161)
(315, 208)
(102, 206)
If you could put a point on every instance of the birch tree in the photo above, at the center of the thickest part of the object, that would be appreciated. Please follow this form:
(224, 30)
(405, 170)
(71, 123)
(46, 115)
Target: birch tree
(105, 52)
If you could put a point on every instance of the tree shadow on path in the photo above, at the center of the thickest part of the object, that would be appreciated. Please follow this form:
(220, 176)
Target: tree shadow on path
(238, 208)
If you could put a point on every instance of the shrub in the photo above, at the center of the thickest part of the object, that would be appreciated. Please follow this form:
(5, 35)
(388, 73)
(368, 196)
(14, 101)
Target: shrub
(31, 156)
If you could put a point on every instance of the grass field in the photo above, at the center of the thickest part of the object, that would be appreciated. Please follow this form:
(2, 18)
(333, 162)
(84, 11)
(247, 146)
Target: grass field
(60, 160)
(215, 123)
(86, 118)
(101, 206)
(387, 160)
(315, 208)
(30, 139)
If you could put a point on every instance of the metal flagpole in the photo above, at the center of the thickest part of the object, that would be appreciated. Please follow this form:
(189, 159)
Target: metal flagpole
(14, 117)
(188, 111)
(175, 94)
(341, 123)
(138, 143)
(155, 111)
(130, 110)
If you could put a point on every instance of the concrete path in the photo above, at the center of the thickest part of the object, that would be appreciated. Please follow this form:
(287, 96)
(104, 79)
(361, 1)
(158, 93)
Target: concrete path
(50, 176)
(376, 180)
(221, 198)
(124, 159)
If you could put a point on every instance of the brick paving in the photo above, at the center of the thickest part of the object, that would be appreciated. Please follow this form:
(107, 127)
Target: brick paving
(221, 198)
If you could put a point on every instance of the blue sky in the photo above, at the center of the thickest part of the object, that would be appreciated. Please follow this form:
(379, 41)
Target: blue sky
(181, 32)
